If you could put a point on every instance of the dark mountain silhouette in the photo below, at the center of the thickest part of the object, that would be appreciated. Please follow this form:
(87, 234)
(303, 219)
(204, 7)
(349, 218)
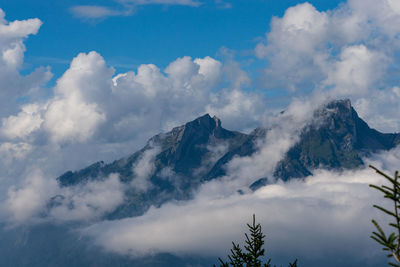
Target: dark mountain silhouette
(198, 151)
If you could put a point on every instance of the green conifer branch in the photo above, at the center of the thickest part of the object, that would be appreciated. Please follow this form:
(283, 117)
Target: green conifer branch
(390, 243)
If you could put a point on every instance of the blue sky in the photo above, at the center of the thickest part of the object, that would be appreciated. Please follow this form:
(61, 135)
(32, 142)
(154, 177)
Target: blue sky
(155, 33)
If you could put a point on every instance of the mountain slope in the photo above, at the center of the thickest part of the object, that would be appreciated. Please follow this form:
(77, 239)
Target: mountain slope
(183, 149)
(182, 157)
(198, 151)
(337, 139)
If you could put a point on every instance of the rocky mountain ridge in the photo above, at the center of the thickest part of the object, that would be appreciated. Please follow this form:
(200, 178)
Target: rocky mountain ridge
(198, 151)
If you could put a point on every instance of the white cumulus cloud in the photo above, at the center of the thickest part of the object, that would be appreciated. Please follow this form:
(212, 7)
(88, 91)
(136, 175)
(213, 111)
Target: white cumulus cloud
(349, 51)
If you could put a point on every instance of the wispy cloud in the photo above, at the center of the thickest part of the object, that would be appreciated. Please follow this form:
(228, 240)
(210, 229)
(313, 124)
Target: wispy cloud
(163, 2)
(223, 4)
(97, 12)
(125, 8)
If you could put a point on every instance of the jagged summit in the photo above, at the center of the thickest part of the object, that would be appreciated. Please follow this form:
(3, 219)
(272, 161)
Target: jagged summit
(206, 121)
(185, 155)
(199, 150)
(341, 109)
(337, 139)
(340, 116)
(206, 124)
(345, 103)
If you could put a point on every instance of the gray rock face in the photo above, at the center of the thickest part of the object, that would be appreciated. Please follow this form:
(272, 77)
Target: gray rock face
(198, 151)
(337, 139)
(185, 155)
(183, 149)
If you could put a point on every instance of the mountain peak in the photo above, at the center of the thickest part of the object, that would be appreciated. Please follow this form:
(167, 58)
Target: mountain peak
(337, 139)
(345, 103)
(205, 122)
(342, 106)
(334, 112)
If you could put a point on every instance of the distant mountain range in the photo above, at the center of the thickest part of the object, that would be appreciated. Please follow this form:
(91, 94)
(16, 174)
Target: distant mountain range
(198, 151)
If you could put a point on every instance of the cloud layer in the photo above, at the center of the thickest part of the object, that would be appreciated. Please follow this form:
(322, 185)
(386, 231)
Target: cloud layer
(350, 51)
(327, 212)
